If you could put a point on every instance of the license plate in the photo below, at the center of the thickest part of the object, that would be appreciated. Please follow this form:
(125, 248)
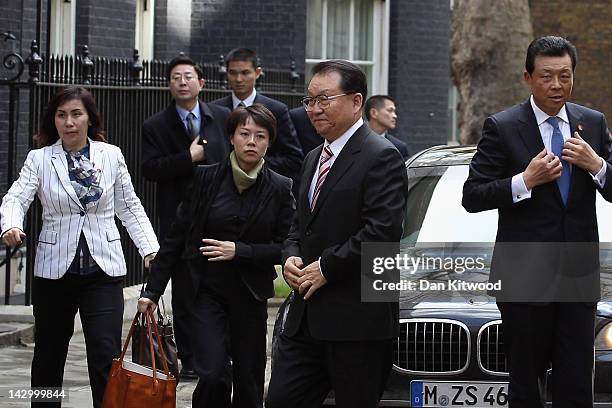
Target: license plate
(462, 394)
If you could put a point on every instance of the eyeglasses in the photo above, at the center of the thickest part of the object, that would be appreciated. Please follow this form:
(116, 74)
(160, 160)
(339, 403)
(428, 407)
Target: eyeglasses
(324, 101)
(186, 77)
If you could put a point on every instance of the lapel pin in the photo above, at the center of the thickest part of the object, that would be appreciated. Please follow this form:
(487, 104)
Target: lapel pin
(580, 127)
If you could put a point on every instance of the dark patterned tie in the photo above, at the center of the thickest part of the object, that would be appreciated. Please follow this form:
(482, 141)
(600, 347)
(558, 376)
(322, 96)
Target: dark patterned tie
(556, 145)
(194, 130)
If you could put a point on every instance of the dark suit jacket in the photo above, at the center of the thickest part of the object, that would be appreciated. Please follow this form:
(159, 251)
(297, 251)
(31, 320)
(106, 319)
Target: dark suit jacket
(258, 248)
(166, 159)
(399, 145)
(510, 140)
(306, 133)
(362, 199)
(285, 155)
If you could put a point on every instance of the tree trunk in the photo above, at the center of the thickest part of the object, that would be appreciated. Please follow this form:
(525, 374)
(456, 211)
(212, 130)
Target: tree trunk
(488, 46)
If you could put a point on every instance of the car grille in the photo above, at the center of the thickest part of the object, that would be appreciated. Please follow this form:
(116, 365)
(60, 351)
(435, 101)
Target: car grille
(432, 346)
(491, 351)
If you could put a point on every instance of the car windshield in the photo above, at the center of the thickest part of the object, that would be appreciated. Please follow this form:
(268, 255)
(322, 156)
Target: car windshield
(434, 212)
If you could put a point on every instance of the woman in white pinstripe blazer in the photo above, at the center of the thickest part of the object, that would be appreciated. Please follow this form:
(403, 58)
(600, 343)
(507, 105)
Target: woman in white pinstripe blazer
(82, 183)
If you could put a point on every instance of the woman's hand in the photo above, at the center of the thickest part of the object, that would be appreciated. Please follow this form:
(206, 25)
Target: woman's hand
(146, 303)
(218, 250)
(13, 237)
(148, 259)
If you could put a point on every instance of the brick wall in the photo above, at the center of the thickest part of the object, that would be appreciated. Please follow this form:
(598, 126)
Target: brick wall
(107, 27)
(419, 70)
(588, 25)
(275, 29)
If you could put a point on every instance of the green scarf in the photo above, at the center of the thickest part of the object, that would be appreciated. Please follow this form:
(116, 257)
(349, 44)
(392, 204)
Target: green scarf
(244, 180)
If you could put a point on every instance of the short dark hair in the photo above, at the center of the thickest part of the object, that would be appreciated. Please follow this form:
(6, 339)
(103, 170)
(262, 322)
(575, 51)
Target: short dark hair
(260, 115)
(550, 46)
(184, 60)
(353, 80)
(48, 135)
(241, 54)
(376, 102)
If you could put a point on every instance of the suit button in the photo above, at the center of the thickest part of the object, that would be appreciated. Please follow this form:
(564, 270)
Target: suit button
(82, 213)
(308, 232)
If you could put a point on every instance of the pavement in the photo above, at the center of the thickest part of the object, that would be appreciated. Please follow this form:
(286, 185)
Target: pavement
(17, 348)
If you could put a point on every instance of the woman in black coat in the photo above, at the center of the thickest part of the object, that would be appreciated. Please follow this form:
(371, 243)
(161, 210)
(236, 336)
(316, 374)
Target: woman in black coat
(229, 230)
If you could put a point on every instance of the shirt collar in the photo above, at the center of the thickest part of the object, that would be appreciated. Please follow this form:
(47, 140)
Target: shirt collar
(184, 112)
(541, 116)
(337, 145)
(248, 101)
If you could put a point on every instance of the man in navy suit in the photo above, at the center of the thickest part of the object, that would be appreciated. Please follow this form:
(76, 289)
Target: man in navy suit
(187, 133)
(540, 164)
(285, 155)
(381, 115)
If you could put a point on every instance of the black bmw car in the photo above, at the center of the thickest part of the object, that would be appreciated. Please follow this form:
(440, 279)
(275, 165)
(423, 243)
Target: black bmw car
(450, 351)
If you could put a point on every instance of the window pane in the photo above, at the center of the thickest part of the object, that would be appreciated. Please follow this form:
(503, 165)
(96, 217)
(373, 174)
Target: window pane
(338, 24)
(364, 15)
(314, 23)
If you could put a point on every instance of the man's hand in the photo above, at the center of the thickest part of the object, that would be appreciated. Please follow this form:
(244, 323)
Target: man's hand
(13, 237)
(542, 169)
(218, 250)
(197, 151)
(579, 153)
(144, 304)
(292, 271)
(311, 280)
(148, 259)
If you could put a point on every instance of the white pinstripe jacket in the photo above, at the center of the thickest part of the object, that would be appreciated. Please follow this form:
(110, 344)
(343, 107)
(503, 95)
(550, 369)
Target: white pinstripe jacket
(45, 173)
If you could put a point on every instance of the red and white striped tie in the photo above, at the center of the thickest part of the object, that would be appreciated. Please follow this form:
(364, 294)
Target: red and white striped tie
(324, 166)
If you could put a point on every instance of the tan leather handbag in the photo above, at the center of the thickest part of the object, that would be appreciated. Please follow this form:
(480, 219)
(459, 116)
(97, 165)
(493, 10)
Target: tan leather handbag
(131, 385)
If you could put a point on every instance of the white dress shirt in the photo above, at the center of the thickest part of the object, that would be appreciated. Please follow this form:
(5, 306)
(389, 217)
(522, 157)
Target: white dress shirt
(248, 101)
(520, 191)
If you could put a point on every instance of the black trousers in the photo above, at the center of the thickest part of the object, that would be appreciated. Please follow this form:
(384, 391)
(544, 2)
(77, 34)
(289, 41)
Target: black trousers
(229, 329)
(557, 334)
(306, 369)
(182, 298)
(99, 300)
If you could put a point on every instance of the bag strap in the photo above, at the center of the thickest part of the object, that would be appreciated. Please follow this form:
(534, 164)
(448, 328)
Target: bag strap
(159, 342)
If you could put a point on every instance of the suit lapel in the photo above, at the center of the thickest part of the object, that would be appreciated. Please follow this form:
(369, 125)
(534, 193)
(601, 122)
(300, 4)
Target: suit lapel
(309, 168)
(529, 130)
(60, 165)
(182, 138)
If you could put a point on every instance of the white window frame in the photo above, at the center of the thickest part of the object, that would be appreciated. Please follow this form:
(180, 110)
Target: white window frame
(380, 46)
(62, 27)
(145, 22)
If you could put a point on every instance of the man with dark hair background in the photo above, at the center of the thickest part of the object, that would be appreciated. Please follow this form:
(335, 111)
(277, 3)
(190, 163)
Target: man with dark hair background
(285, 155)
(353, 190)
(381, 114)
(540, 164)
(187, 133)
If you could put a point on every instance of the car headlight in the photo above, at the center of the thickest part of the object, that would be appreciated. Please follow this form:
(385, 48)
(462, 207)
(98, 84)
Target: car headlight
(603, 340)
